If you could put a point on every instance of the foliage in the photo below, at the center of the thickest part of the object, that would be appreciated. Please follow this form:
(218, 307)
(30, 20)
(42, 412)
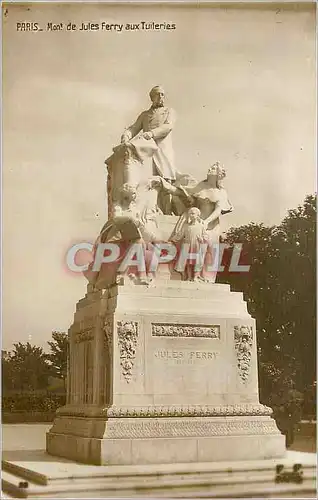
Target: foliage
(29, 368)
(32, 402)
(287, 405)
(280, 290)
(25, 369)
(8, 371)
(59, 354)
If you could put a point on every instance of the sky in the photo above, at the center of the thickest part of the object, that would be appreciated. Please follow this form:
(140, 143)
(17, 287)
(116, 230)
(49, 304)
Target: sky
(241, 80)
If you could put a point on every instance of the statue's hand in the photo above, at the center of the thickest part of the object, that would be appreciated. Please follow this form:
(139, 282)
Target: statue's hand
(139, 223)
(124, 139)
(117, 211)
(147, 135)
(156, 182)
(205, 224)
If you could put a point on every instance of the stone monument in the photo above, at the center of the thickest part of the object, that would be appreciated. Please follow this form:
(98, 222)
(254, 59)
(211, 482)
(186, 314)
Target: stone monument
(163, 361)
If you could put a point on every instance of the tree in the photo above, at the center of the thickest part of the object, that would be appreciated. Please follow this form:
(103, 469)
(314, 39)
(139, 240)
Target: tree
(280, 290)
(298, 281)
(7, 372)
(59, 355)
(25, 369)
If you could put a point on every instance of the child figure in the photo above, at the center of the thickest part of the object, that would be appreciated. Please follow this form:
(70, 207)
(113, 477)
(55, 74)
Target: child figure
(193, 233)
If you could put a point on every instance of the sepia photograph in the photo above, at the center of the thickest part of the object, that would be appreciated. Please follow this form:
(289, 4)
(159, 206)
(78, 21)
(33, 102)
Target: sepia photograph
(159, 249)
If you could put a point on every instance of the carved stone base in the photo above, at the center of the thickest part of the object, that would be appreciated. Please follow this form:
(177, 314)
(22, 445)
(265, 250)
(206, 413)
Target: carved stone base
(125, 441)
(163, 374)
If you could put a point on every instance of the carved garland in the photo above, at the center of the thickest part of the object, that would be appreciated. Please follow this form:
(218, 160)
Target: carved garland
(108, 333)
(243, 343)
(180, 330)
(127, 332)
(84, 336)
(188, 411)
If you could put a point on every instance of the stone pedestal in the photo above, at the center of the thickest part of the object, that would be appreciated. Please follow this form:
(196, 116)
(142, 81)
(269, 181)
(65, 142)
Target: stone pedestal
(163, 374)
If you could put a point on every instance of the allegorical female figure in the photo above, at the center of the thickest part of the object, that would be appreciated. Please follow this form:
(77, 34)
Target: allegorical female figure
(133, 220)
(210, 197)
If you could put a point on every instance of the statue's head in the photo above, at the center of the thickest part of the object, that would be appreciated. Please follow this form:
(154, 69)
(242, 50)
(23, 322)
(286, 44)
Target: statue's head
(216, 171)
(244, 330)
(157, 96)
(128, 328)
(194, 215)
(128, 193)
(245, 334)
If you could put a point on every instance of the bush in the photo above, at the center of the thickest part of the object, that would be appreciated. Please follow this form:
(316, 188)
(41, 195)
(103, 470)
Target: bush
(288, 413)
(32, 402)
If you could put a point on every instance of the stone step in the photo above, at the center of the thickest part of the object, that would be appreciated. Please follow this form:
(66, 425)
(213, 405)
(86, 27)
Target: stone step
(45, 467)
(255, 491)
(258, 486)
(22, 472)
(181, 305)
(189, 289)
(68, 478)
(168, 284)
(12, 485)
